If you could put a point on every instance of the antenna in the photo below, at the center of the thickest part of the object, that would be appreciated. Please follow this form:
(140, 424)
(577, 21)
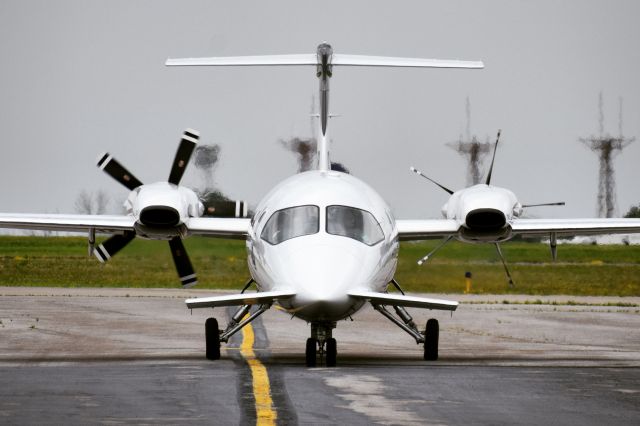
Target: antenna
(607, 146)
(472, 149)
(419, 173)
(494, 158)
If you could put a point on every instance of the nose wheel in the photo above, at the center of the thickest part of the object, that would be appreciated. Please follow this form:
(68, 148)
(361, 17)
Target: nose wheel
(321, 345)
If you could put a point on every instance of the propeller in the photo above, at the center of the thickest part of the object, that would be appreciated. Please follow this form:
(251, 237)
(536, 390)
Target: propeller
(418, 172)
(183, 264)
(117, 171)
(495, 148)
(183, 154)
(113, 168)
(114, 244)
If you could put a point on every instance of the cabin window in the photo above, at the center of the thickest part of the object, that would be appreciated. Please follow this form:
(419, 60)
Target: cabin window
(354, 223)
(290, 223)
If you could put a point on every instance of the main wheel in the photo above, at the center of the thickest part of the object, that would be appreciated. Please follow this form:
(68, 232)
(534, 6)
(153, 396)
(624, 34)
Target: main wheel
(212, 334)
(310, 353)
(332, 352)
(431, 335)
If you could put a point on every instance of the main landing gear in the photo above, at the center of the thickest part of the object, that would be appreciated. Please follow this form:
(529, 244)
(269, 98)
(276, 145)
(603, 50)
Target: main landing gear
(321, 345)
(403, 320)
(214, 336)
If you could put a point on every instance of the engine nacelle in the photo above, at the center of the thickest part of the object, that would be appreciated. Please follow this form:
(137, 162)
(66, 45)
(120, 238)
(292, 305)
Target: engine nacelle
(161, 209)
(483, 209)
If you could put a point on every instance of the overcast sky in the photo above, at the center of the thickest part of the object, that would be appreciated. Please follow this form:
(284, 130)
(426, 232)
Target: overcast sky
(82, 77)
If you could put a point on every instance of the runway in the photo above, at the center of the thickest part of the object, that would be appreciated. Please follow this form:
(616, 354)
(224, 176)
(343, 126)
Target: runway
(119, 356)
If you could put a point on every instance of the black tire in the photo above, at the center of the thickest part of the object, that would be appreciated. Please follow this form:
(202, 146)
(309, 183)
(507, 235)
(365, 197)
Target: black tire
(332, 352)
(431, 335)
(310, 352)
(212, 334)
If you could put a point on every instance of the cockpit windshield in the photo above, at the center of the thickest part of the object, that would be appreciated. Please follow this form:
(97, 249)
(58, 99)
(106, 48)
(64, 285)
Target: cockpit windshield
(290, 223)
(354, 223)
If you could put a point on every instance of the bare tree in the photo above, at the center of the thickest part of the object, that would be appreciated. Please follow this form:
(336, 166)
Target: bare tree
(91, 203)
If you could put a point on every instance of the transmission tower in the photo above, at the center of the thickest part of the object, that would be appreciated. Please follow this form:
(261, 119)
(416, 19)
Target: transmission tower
(607, 146)
(304, 148)
(472, 150)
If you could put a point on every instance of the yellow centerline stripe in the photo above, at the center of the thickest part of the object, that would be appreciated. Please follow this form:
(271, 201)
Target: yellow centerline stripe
(265, 412)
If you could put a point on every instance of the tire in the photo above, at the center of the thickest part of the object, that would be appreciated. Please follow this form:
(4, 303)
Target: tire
(212, 335)
(332, 352)
(431, 335)
(310, 352)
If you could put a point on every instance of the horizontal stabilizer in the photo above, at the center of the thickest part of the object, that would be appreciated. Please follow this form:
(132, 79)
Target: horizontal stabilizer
(384, 61)
(259, 298)
(302, 59)
(406, 301)
(312, 59)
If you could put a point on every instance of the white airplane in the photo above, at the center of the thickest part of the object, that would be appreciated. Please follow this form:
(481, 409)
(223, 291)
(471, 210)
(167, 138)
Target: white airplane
(321, 245)
(485, 214)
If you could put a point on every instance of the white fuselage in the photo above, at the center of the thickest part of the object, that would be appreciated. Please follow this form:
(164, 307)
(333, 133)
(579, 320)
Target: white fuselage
(321, 266)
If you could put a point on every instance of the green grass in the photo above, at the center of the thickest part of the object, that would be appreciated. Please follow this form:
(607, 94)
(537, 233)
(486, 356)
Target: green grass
(581, 270)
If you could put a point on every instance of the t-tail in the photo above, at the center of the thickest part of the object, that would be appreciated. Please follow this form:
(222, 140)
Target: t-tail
(324, 60)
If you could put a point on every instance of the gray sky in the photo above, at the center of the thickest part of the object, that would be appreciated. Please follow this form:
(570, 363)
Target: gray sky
(82, 77)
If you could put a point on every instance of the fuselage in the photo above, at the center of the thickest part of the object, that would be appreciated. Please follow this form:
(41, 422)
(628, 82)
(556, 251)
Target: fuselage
(322, 234)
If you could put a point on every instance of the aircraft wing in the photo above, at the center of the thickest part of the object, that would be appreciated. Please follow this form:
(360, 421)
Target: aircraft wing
(409, 230)
(403, 300)
(210, 226)
(239, 299)
(67, 222)
(219, 227)
(575, 226)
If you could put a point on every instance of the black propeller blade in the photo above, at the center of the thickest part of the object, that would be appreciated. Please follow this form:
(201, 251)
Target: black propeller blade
(114, 244)
(183, 264)
(114, 169)
(183, 154)
(561, 203)
(495, 148)
(418, 172)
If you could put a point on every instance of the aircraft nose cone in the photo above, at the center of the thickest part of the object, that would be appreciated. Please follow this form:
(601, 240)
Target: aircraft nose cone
(324, 273)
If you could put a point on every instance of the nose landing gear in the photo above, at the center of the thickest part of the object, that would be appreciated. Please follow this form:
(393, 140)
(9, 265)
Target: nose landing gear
(321, 345)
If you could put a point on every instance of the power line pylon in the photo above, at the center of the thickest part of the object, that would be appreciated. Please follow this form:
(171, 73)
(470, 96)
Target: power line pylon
(472, 150)
(304, 148)
(606, 147)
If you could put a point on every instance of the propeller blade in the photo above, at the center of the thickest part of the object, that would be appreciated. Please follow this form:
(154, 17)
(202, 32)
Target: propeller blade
(183, 264)
(114, 169)
(418, 172)
(112, 245)
(495, 148)
(561, 203)
(185, 149)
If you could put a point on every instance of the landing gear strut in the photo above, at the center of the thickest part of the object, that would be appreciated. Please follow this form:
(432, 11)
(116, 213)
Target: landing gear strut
(403, 320)
(321, 345)
(214, 336)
